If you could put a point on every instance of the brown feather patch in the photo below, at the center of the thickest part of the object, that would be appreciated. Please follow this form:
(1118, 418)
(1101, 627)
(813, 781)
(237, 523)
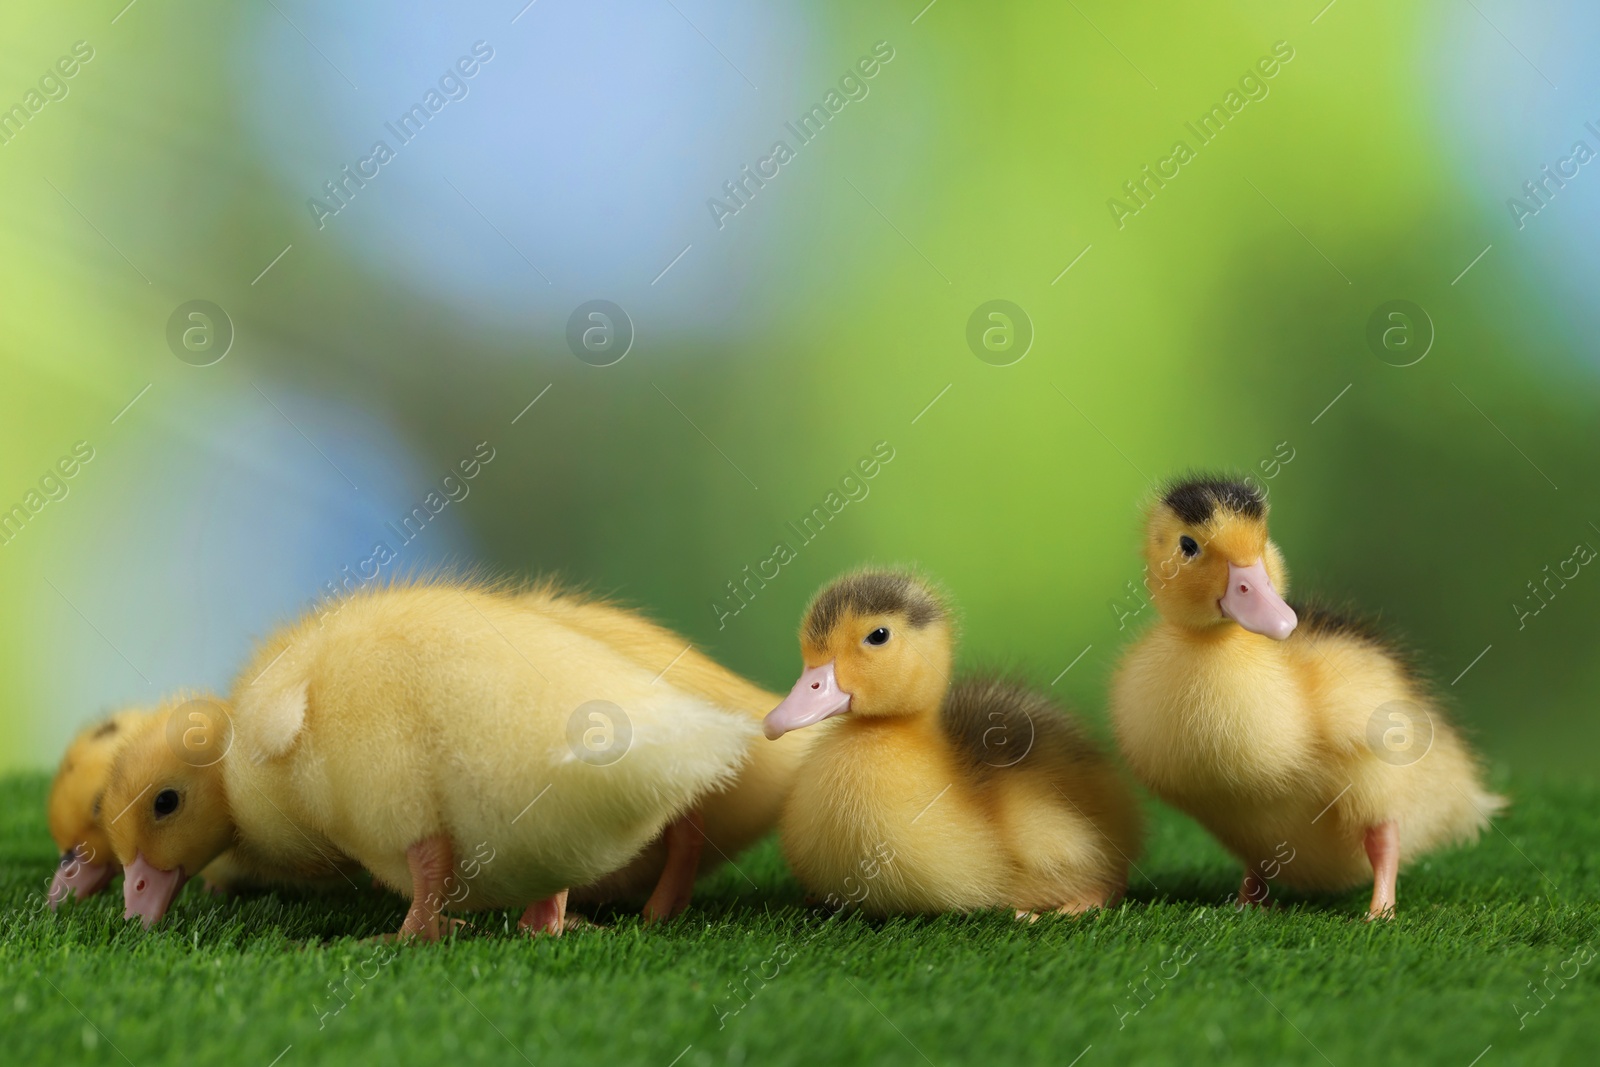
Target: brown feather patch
(872, 593)
(996, 723)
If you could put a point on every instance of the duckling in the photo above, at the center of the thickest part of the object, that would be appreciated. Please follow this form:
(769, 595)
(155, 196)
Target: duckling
(1282, 728)
(73, 810)
(729, 819)
(75, 807)
(924, 797)
(439, 735)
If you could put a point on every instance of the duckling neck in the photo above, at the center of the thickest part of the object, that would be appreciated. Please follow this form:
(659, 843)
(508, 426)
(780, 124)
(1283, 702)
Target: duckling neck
(907, 723)
(1223, 639)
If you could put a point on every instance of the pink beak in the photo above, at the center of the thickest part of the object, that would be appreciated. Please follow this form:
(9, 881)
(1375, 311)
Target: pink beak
(74, 876)
(1252, 602)
(816, 696)
(148, 891)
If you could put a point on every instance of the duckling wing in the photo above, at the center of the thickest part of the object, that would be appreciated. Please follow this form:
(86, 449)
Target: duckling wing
(270, 718)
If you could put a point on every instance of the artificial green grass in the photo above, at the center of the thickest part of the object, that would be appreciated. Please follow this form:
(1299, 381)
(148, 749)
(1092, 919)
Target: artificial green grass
(248, 980)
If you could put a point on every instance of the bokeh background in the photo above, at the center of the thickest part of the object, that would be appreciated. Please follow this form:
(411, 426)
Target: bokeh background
(1213, 329)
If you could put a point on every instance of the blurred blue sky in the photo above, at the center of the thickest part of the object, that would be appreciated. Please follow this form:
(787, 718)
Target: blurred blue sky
(1515, 85)
(590, 141)
(227, 521)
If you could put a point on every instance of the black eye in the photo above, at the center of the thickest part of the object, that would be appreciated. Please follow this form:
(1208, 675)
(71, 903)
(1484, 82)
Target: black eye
(880, 636)
(166, 803)
(1190, 546)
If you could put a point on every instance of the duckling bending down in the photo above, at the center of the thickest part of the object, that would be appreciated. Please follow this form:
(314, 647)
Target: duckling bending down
(76, 807)
(87, 862)
(922, 797)
(460, 742)
(1300, 739)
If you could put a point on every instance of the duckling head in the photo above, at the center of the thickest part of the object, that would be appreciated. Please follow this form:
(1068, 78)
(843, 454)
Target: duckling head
(87, 862)
(165, 804)
(1211, 563)
(875, 644)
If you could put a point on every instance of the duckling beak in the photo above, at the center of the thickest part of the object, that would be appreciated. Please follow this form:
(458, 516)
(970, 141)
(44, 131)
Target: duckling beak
(1252, 602)
(148, 891)
(816, 696)
(73, 876)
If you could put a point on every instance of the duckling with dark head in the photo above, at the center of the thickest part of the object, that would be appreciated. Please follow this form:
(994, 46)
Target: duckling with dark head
(1286, 733)
(926, 797)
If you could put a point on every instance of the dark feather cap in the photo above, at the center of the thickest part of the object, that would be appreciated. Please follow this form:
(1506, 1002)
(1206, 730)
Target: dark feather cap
(873, 593)
(1196, 499)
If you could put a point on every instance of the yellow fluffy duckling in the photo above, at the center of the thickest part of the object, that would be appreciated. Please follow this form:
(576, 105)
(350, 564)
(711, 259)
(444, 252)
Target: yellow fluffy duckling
(467, 747)
(922, 797)
(88, 862)
(73, 810)
(1299, 738)
(727, 820)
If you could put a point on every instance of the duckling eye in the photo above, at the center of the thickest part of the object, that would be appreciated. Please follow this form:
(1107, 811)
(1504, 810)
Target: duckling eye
(880, 636)
(166, 803)
(1190, 546)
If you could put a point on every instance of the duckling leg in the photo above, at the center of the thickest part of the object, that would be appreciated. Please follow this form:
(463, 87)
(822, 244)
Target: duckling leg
(1253, 890)
(1108, 897)
(685, 838)
(430, 861)
(1080, 907)
(547, 916)
(1383, 849)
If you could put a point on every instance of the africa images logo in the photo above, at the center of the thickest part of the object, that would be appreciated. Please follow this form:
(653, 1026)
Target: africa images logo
(1541, 190)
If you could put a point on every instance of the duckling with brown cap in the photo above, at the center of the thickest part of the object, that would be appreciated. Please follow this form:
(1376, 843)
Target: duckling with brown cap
(925, 797)
(1300, 738)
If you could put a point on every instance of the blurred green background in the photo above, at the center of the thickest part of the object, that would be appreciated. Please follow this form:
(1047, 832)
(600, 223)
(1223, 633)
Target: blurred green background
(1212, 329)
